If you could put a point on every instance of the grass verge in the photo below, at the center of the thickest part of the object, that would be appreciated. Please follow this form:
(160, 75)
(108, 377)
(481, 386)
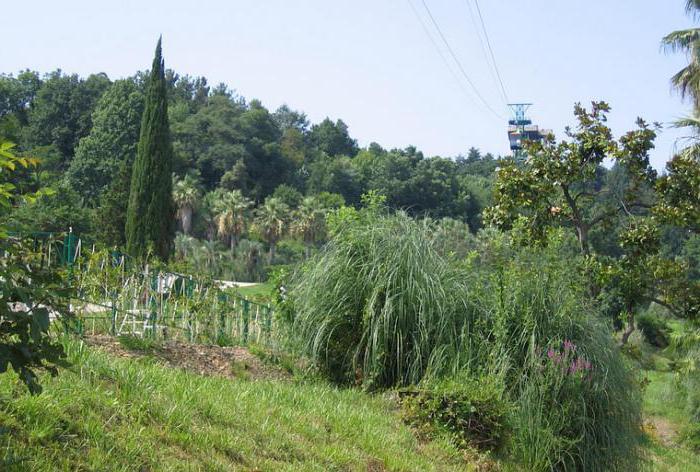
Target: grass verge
(665, 418)
(665, 421)
(134, 414)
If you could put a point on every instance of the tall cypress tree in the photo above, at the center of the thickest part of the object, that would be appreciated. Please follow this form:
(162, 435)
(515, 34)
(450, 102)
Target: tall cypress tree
(150, 222)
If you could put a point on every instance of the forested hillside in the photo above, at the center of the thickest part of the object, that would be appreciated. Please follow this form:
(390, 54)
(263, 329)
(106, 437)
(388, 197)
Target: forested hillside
(229, 152)
(249, 183)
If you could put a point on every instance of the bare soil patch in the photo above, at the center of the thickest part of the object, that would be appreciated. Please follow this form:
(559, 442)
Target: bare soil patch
(231, 362)
(662, 429)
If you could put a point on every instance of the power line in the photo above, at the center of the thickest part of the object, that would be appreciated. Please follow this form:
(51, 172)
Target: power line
(426, 30)
(484, 52)
(493, 57)
(459, 64)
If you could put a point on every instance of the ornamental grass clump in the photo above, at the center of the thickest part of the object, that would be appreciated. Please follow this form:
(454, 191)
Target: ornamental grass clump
(577, 406)
(379, 306)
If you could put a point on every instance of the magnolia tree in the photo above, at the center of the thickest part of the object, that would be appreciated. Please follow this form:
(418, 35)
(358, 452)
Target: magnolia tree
(558, 183)
(679, 188)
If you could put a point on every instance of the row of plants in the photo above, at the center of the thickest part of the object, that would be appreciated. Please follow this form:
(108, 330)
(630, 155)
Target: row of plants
(116, 297)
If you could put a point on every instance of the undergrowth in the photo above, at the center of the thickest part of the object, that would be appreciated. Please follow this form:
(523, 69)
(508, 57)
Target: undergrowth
(138, 343)
(380, 307)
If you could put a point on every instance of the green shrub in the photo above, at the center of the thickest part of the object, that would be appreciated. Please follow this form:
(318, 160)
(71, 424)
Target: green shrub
(240, 369)
(274, 357)
(225, 340)
(289, 251)
(685, 344)
(472, 413)
(691, 436)
(639, 351)
(691, 382)
(654, 329)
(574, 413)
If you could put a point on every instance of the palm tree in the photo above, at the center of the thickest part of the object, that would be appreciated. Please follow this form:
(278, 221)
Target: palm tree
(272, 222)
(679, 196)
(210, 253)
(687, 80)
(184, 246)
(186, 194)
(310, 222)
(232, 211)
(207, 212)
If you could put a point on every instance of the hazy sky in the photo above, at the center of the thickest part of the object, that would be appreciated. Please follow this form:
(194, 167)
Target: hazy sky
(371, 63)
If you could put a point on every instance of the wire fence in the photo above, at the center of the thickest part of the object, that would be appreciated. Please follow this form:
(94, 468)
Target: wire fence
(115, 295)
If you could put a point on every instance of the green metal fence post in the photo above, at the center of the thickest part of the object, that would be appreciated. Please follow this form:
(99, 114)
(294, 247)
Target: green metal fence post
(246, 319)
(268, 321)
(222, 325)
(114, 316)
(153, 319)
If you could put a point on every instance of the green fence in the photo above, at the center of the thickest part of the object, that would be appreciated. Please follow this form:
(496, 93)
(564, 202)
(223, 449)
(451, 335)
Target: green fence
(116, 296)
(166, 305)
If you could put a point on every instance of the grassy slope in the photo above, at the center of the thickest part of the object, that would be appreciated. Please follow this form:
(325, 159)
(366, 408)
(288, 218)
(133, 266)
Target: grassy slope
(113, 414)
(661, 402)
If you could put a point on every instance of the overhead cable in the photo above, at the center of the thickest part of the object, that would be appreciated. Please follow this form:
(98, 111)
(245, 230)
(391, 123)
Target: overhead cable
(449, 67)
(484, 51)
(457, 61)
(493, 57)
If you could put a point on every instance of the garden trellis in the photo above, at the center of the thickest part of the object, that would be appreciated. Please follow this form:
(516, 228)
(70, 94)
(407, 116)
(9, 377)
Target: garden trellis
(115, 295)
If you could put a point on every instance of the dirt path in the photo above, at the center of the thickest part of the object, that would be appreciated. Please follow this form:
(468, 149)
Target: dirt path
(663, 430)
(231, 362)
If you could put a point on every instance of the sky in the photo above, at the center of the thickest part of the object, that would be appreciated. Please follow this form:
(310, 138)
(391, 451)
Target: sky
(373, 64)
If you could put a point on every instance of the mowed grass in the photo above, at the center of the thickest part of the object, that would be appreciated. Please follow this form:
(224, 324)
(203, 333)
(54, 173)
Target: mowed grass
(261, 293)
(126, 414)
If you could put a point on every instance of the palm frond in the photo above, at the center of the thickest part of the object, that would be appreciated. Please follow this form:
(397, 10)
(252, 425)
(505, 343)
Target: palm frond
(687, 81)
(681, 40)
(692, 7)
(688, 122)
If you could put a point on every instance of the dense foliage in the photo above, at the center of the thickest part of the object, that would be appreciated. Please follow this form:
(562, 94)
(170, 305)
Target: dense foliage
(379, 305)
(221, 143)
(497, 337)
(382, 307)
(31, 294)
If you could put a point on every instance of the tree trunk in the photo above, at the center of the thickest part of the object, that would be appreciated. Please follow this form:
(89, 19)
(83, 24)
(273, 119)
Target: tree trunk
(630, 326)
(186, 219)
(582, 234)
(234, 243)
(211, 232)
(272, 252)
(581, 227)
